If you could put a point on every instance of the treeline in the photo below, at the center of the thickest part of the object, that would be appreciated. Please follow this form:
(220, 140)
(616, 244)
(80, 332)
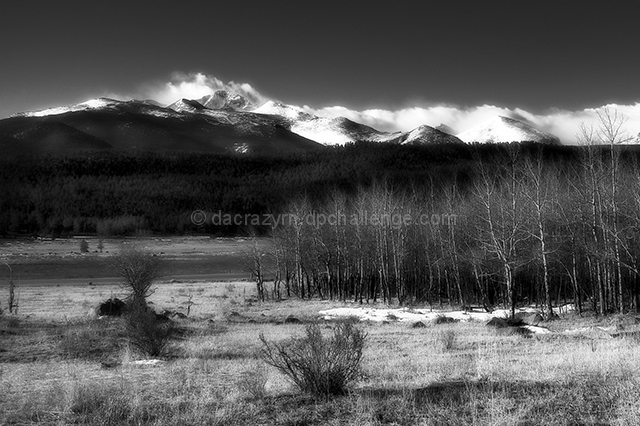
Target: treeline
(130, 193)
(532, 225)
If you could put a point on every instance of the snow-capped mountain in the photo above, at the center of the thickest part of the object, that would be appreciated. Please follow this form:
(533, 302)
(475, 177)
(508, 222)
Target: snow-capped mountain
(505, 130)
(426, 135)
(223, 121)
(111, 124)
(327, 131)
(103, 104)
(222, 99)
(84, 106)
(340, 130)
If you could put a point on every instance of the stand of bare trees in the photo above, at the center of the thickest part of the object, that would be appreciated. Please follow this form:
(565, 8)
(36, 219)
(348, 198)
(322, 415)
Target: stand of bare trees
(528, 229)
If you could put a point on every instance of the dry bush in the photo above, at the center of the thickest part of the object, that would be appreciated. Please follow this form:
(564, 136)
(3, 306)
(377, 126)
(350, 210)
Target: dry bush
(139, 269)
(147, 333)
(316, 364)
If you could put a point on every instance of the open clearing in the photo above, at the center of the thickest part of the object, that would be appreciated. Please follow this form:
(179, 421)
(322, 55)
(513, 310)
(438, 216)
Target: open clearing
(54, 260)
(59, 365)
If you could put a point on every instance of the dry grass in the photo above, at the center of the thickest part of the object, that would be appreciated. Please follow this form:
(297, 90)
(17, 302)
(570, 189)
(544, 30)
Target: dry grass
(77, 370)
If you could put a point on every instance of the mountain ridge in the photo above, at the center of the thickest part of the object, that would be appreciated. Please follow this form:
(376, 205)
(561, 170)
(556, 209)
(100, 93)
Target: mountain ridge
(228, 122)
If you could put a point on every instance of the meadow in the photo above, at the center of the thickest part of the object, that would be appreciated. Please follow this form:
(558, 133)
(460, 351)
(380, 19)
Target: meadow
(60, 365)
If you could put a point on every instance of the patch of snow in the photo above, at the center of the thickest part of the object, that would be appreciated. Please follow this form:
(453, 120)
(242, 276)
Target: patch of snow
(45, 112)
(415, 315)
(161, 114)
(536, 329)
(96, 103)
(241, 148)
(405, 315)
(147, 362)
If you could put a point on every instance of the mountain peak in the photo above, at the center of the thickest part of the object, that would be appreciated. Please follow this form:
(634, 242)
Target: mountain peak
(186, 105)
(501, 129)
(427, 135)
(223, 99)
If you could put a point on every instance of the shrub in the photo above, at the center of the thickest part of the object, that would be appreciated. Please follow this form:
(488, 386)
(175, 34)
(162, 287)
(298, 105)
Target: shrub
(148, 333)
(139, 269)
(442, 319)
(319, 365)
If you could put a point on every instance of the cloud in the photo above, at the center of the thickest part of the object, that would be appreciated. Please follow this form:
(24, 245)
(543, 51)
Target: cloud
(195, 86)
(562, 123)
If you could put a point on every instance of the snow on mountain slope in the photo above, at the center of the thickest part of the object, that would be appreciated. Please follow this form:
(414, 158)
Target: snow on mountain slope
(327, 131)
(504, 130)
(111, 124)
(84, 106)
(289, 112)
(426, 135)
(148, 107)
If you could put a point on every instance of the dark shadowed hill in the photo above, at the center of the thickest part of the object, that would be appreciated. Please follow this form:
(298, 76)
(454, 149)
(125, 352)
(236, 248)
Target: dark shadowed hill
(138, 125)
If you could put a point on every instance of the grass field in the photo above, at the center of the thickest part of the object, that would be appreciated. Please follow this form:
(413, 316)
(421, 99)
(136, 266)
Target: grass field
(59, 365)
(62, 259)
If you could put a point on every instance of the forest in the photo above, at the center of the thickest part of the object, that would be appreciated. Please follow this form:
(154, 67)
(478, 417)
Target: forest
(482, 225)
(513, 225)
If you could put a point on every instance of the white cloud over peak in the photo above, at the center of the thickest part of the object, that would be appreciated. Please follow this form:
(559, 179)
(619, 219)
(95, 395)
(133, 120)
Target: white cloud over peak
(563, 123)
(197, 85)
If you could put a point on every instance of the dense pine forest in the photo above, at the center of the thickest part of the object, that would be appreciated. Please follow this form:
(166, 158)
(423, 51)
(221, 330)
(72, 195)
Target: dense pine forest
(488, 225)
(137, 193)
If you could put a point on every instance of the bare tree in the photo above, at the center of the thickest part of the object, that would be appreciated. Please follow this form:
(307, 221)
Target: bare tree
(256, 262)
(540, 192)
(611, 132)
(12, 290)
(501, 229)
(139, 269)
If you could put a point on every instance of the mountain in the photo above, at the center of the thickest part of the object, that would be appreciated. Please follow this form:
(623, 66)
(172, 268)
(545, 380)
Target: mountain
(220, 122)
(45, 137)
(186, 105)
(446, 129)
(505, 130)
(425, 135)
(340, 130)
(222, 99)
(327, 131)
(111, 124)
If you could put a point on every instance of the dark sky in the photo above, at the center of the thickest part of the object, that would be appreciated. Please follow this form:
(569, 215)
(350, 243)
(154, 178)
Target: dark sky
(530, 54)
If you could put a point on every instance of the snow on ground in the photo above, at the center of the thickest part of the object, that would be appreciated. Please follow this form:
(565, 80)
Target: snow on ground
(415, 315)
(412, 315)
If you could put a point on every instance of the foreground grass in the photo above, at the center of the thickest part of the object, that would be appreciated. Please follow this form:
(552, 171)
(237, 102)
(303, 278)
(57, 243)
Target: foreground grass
(81, 372)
